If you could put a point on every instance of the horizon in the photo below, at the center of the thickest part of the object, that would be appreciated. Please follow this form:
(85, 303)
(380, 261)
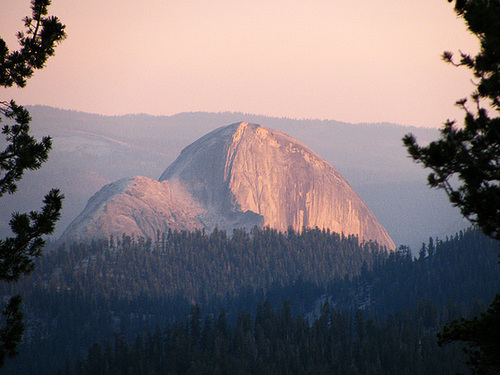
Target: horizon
(276, 59)
(227, 113)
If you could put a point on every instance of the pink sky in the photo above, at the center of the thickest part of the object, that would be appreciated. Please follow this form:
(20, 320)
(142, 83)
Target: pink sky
(353, 61)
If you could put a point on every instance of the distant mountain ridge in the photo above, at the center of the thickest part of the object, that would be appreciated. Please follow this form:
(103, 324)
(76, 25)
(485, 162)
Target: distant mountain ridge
(239, 175)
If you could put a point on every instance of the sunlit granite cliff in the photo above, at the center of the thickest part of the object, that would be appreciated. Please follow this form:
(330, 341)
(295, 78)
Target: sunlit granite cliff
(239, 175)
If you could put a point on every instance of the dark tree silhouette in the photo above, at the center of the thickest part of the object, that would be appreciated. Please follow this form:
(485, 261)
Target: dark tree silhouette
(465, 162)
(482, 335)
(471, 153)
(23, 152)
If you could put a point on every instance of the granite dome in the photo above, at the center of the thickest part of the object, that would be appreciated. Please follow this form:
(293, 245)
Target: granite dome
(239, 175)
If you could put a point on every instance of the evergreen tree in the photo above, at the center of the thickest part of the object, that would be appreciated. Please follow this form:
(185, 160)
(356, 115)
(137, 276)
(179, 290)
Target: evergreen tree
(471, 155)
(24, 152)
(482, 336)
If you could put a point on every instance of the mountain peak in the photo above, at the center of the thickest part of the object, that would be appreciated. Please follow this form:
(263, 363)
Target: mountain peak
(246, 167)
(245, 174)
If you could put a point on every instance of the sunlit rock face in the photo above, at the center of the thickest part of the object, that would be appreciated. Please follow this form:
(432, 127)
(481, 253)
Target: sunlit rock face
(136, 205)
(240, 175)
(246, 167)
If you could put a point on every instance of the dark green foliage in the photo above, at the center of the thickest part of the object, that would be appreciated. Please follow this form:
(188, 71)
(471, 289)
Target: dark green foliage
(465, 162)
(93, 289)
(198, 265)
(457, 272)
(24, 152)
(81, 295)
(482, 336)
(37, 43)
(11, 333)
(278, 342)
(18, 253)
(471, 153)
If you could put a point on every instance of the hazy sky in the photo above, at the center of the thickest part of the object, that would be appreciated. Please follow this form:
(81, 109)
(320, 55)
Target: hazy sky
(347, 60)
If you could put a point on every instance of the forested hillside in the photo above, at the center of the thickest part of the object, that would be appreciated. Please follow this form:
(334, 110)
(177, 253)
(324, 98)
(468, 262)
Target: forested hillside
(456, 275)
(84, 294)
(198, 265)
(277, 342)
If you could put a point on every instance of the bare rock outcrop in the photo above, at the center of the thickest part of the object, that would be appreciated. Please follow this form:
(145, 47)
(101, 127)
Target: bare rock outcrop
(239, 175)
(136, 205)
(247, 167)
